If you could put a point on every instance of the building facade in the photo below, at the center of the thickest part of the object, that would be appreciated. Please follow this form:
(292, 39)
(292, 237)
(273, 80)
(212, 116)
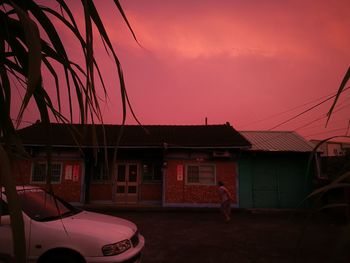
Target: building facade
(169, 165)
(277, 171)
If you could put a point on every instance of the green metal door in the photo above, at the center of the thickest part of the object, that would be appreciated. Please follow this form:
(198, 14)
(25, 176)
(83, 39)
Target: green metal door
(245, 183)
(272, 182)
(264, 185)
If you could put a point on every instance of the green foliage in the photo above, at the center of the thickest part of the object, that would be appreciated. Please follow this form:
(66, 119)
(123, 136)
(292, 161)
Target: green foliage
(335, 194)
(335, 166)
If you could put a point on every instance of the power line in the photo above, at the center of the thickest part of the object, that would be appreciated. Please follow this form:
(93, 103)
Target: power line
(318, 128)
(326, 132)
(324, 117)
(291, 109)
(309, 123)
(305, 111)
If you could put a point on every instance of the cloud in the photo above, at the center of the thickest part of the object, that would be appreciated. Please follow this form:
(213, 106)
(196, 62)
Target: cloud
(194, 29)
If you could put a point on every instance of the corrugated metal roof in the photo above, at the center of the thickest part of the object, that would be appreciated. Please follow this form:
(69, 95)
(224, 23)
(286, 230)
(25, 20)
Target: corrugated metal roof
(277, 141)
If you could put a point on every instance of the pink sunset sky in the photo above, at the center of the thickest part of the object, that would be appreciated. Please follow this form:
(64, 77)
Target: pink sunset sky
(254, 64)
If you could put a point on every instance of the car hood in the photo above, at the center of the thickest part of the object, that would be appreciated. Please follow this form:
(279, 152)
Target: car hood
(98, 226)
(85, 232)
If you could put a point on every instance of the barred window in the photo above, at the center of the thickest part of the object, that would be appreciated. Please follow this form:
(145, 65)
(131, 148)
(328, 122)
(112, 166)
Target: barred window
(200, 174)
(39, 172)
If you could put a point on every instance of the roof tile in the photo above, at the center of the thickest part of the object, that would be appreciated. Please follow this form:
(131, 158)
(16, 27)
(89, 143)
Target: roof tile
(172, 136)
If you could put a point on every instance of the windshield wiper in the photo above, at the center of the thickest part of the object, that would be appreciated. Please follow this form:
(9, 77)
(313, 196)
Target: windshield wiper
(56, 217)
(47, 218)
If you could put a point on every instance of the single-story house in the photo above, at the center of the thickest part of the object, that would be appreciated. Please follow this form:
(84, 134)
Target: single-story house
(169, 165)
(334, 159)
(332, 148)
(274, 172)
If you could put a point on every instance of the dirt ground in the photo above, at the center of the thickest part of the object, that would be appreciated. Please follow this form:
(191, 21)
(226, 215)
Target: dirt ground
(251, 237)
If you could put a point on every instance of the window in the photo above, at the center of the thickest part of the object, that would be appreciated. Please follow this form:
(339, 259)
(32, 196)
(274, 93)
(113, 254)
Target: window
(200, 174)
(151, 172)
(39, 171)
(100, 172)
(3, 208)
(42, 206)
(121, 175)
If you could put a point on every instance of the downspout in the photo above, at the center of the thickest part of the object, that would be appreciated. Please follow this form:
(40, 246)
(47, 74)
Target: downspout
(164, 173)
(82, 182)
(88, 170)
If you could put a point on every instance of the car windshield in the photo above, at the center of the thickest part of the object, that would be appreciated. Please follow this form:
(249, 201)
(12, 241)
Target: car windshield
(42, 206)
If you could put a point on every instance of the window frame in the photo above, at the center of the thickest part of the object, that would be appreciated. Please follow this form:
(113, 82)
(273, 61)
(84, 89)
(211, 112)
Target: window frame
(199, 172)
(44, 181)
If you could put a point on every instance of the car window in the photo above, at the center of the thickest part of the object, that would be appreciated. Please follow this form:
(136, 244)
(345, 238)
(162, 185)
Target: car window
(42, 206)
(3, 208)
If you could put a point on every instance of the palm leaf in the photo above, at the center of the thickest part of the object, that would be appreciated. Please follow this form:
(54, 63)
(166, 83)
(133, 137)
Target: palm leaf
(15, 210)
(54, 39)
(23, 53)
(340, 90)
(121, 11)
(32, 37)
(329, 187)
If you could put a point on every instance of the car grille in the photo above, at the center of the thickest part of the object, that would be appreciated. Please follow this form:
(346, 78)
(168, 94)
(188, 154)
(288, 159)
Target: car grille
(135, 239)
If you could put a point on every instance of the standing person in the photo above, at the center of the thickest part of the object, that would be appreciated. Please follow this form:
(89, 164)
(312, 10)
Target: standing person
(226, 199)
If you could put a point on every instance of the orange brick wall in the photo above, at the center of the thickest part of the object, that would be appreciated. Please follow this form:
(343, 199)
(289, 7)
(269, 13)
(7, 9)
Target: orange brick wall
(178, 192)
(151, 192)
(101, 191)
(68, 189)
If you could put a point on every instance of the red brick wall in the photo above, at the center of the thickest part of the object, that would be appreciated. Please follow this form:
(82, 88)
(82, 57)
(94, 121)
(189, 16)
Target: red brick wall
(21, 170)
(150, 192)
(68, 189)
(178, 192)
(101, 191)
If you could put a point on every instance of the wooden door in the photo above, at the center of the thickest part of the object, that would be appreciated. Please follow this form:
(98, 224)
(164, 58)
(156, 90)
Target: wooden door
(127, 183)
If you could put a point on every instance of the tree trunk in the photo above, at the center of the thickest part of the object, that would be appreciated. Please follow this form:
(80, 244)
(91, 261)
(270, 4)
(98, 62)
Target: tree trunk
(17, 224)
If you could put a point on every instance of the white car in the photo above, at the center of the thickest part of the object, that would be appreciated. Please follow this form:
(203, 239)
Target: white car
(58, 232)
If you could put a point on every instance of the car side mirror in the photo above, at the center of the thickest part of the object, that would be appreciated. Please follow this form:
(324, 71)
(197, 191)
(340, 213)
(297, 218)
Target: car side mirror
(5, 220)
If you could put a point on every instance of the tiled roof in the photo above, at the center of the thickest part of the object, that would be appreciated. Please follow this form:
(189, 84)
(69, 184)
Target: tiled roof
(277, 141)
(171, 136)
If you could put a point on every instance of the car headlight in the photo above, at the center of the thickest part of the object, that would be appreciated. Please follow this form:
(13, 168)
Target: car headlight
(116, 248)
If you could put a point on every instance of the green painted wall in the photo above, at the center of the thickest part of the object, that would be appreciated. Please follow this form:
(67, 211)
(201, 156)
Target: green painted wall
(272, 180)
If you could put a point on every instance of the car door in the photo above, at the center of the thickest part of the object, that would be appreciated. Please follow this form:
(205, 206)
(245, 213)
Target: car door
(5, 232)
(6, 246)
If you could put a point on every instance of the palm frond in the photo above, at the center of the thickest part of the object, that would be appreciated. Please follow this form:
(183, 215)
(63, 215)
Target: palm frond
(340, 90)
(25, 53)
